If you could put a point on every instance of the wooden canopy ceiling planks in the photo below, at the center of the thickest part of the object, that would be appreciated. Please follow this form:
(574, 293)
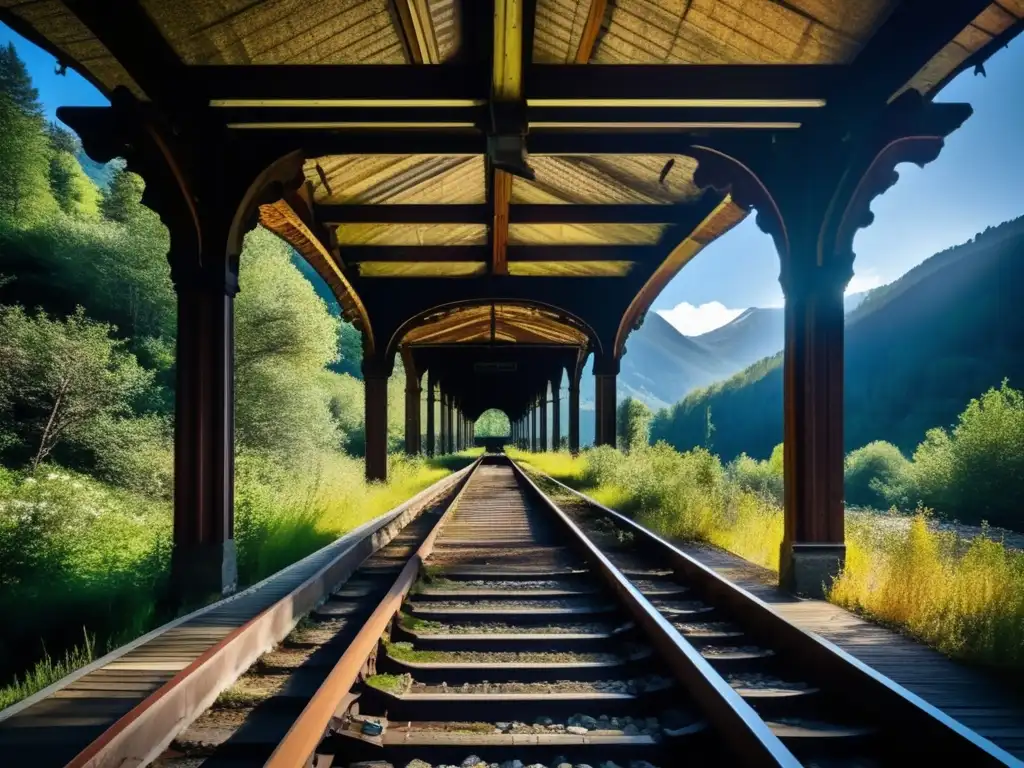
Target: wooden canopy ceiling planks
(495, 323)
(397, 106)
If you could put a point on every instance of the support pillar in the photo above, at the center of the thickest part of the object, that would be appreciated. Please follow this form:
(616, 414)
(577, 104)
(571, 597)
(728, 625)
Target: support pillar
(431, 435)
(412, 414)
(449, 422)
(460, 431)
(544, 420)
(534, 442)
(204, 562)
(376, 424)
(813, 549)
(556, 416)
(443, 430)
(605, 373)
(574, 414)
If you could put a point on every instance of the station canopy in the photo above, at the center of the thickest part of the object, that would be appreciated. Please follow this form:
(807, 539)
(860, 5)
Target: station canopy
(513, 171)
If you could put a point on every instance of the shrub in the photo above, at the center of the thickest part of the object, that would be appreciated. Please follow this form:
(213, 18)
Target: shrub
(761, 478)
(877, 475)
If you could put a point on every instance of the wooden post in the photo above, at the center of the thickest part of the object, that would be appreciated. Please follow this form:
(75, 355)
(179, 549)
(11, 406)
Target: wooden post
(544, 419)
(605, 372)
(813, 549)
(412, 414)
(574, 416)
(442, 436)
(376, 423)
(431, 434)
(204, 562)
(556, 416)
(534, 442)
(449, 422)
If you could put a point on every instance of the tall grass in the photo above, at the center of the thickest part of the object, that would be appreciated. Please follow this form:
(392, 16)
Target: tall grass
(964, 597)
(75, 552)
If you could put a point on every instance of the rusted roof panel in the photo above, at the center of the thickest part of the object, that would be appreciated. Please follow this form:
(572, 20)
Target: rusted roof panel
(738, 31)
(607, 179)
(371, 179)
(584, 234)
(279, 31)
(53, 21)
(988, 25)
(411, 234)
(558, 31)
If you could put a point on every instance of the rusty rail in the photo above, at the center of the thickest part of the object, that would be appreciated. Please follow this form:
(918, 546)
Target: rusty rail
(140, 735)
(300, 743)
(750, 739)
(860, 683)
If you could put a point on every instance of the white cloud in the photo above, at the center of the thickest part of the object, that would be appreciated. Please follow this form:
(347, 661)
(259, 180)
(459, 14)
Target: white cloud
(693, 321)
(863, 282)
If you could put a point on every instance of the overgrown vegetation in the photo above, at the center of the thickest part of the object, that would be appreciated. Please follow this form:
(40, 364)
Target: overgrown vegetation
(962, 596)
(87, 339)
(493, 423)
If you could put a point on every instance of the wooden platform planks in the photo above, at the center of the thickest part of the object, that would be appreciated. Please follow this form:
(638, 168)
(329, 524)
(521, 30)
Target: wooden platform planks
(971, 696)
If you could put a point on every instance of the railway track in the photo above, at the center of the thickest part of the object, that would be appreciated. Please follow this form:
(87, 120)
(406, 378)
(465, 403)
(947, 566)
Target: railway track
(525, 623)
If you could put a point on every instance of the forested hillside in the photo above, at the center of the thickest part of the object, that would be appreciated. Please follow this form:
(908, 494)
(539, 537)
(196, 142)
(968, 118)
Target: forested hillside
(916, 351)
(755, 334)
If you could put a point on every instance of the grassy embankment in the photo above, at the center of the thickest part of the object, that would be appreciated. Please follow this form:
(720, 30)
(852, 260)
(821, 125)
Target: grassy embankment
(79, 556)
(963, 597)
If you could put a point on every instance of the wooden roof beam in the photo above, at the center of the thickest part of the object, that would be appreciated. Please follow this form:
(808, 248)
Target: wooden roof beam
(591, 30)
(354, 254)
(417, 29)
(518, 213)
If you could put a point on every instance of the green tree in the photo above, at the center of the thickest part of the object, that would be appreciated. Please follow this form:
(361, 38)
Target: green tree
(122, 200)
(72, 189)
(976, 472)
(493, 423)
(634, 424)
(61, 376)
(284, 339)
(876, 476)
(16, 83)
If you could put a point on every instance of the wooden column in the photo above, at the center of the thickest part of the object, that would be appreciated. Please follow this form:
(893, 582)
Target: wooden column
(412, 414)
(431, 434)
(449, 421)
(605, 373)
(460, 430)
(203, 562)
(442, 437)
(534, 442)
(574, 413)
(813, 549)
(376, 423)
(556, 415)
(544, 420)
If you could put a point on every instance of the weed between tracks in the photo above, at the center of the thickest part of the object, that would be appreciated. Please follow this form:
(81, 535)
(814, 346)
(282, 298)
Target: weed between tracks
(964, 597)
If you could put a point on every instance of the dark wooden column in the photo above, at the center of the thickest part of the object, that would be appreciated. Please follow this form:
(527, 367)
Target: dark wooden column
(813, 549)
(204, 562)
(376, 422)
(605, 372)
(412, 414)
(449, 439)
(556, 415)
(431, 434)
(534, 441)
(442, 429)
(460, 430)
(574, 413)
(544, 420)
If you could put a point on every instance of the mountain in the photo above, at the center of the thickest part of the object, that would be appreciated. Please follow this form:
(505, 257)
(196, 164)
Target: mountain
(755, 334)
(916, 351)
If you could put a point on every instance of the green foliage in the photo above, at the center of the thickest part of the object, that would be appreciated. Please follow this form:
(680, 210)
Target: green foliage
(25, 160)
(634, 424)
(47, 671)
(975, 472)
(60, 377)
(72, 189)
(16, 83)
(762, 478)
(493, 423)
(877, 476)
(122, 200)
(284, 339)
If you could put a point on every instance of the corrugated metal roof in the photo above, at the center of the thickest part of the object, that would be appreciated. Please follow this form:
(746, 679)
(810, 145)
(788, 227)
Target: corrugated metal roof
(558, 30)
(990, 23)
(607, 179)
(584, 234)
(411, 234)
(55, 22)
(738, 31)
(279, 31)
(369, 179)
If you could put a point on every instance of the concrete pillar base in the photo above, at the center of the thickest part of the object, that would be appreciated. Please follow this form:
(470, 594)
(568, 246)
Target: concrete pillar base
(202, 571)
(810, 569)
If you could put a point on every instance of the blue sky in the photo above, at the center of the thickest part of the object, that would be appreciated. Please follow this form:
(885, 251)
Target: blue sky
(976, 182)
